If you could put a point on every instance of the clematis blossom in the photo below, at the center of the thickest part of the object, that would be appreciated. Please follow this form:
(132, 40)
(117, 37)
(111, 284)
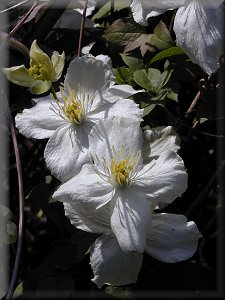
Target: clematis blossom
(89, 94)
(41, 73)
(198, 26)
(157, 140)
(169, 238)
(120, 179)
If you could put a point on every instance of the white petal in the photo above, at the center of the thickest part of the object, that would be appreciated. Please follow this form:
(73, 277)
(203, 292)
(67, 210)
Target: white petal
(87, 188)
(111, 265)
(130, 219)
(89, 76)
(121, 108)
(40, 121)
(157, 140)
(120, 91)
(144, 9)
(171, 238)
(120, 133)
(199, 31)
(85, 219)
(163, 179)
(66, 151)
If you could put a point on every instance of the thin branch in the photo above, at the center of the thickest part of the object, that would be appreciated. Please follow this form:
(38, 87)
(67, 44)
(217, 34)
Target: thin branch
(21, 198)
(82, 28)
(193, 103)
(23, 19)
(14, 6)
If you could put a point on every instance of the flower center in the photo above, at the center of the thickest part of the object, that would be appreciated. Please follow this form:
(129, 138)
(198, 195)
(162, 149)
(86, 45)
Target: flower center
(121, 171)
(73, 107)
(39, 72)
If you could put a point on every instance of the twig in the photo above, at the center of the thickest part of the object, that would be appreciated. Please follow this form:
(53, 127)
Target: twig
(23, 19)
(192, 210)
(21, 198)
(193, 103)
(14, 6)
(82, 28)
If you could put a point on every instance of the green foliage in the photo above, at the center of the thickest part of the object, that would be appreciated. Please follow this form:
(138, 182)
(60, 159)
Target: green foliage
(123, 31)
(167, 53)
(160, 39)
(104, 11)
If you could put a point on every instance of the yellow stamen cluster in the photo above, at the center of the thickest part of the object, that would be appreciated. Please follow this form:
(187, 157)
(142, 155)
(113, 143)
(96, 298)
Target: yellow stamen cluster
(73, 108)
(39, 72)
(121, 171)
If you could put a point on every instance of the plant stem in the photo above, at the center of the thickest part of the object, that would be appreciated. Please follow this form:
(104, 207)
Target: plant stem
(193, 103)
(82, 28)
(54, 93)
(21, 198)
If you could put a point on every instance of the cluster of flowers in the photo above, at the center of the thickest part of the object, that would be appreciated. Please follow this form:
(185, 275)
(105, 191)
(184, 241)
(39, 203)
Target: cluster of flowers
(113, 175)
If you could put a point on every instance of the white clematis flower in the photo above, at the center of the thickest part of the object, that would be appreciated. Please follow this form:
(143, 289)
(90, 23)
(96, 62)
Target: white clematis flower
(170, 238)
(157, 140)
(198, 26)
(119, 177)
(89, 95)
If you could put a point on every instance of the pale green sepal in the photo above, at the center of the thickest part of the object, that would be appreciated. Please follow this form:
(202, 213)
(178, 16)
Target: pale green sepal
(38, 56)
(58, 62)
(18, 75)
(39, 87)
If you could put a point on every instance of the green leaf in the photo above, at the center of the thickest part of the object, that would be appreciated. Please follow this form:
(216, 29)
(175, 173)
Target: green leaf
(18, 291)
(148, 109)
(124, 76)
(161, 37)
(165, 77)
(132, 62)
(106, 8)
(141, 78)
(167, 53)
(123, 31)
(119, 292)
(163, 34)
(172, 95)
(154, 76)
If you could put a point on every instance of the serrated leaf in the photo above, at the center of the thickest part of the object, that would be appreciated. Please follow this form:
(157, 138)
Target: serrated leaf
(142, 42)
(132, 62)
(123, 31)
(167, 53)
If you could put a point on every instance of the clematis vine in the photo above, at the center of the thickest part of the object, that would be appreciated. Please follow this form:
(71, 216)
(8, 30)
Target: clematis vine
(88, 95)
(169, 238)
(198, 26)
(118, 178)
(41, 73)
